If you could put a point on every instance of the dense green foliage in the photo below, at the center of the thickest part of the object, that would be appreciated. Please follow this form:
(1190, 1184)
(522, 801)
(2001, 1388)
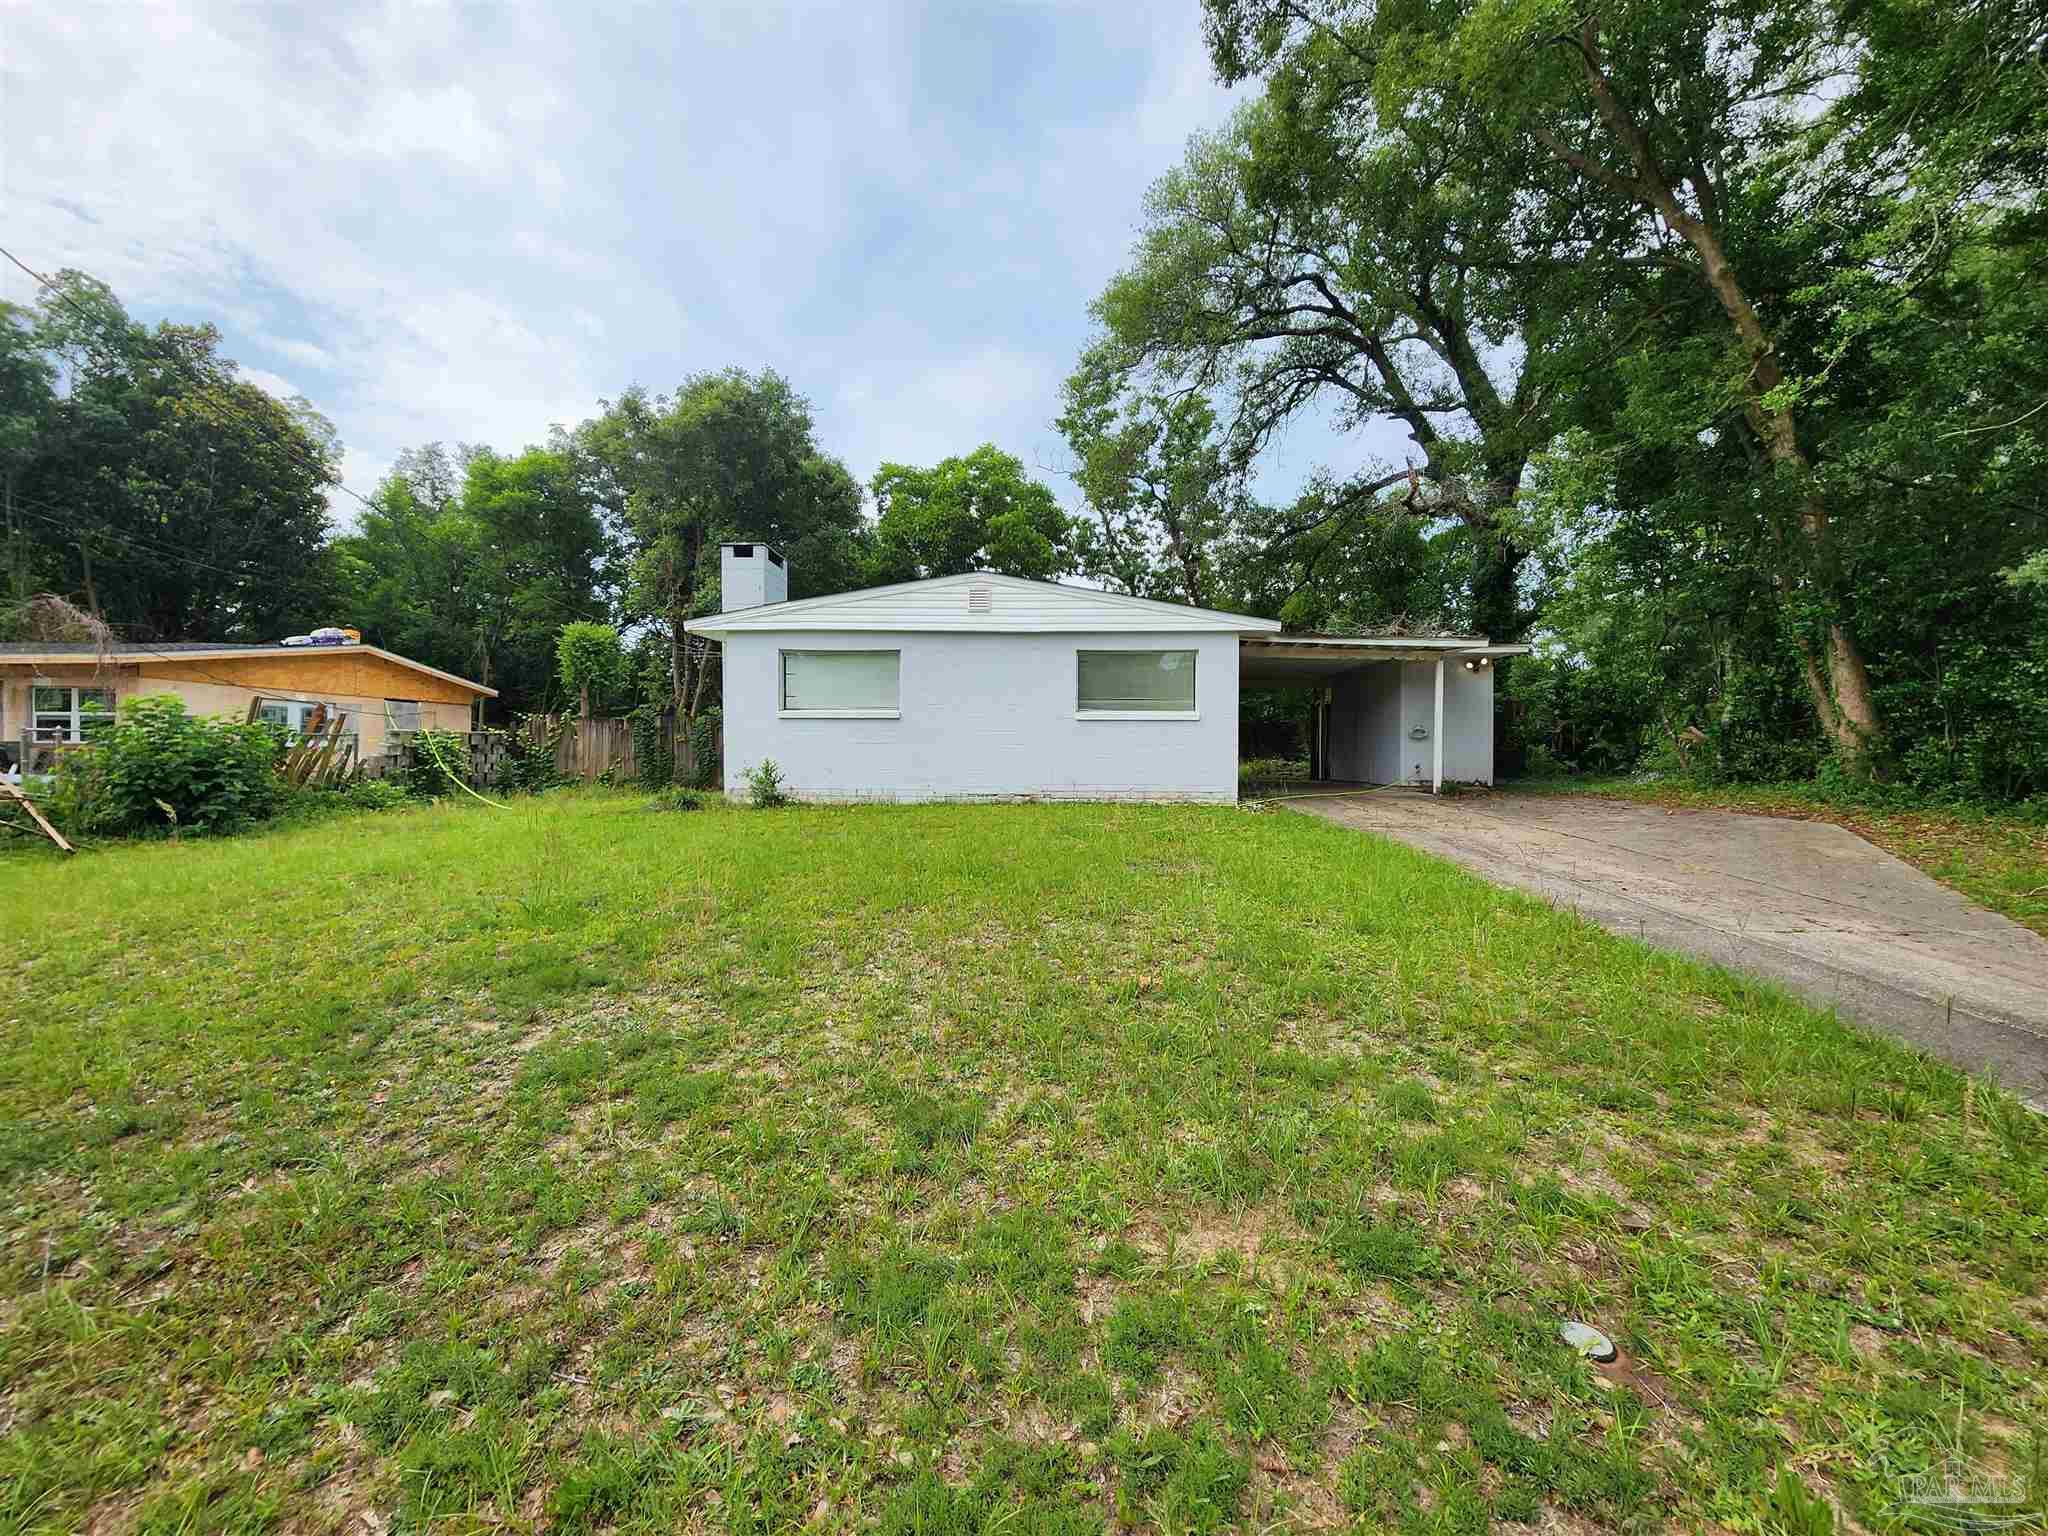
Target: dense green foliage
(977, 513)
(591, 661)
(140, 473)
(1712, 329)
(1714, 332)
(439, 764)
(473, 562)
(651, 752)
(728, 456)
(159, 768)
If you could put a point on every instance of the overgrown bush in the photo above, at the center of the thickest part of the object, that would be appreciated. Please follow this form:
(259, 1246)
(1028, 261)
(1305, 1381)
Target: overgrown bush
(676, 798)
(159, 767)
(440, 759)
(704, 737)
(765, 788)
(656, 759)
(530, 766)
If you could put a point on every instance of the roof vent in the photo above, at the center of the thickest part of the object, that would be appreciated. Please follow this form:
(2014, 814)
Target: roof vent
(980, 599)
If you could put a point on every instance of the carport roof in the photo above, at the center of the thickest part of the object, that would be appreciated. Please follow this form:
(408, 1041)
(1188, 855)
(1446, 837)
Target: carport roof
(1308, 658)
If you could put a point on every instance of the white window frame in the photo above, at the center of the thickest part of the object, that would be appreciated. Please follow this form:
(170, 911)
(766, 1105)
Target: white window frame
(1082, 712)
(296, 711)
(391, 716)
(783, 712)
(73, 716)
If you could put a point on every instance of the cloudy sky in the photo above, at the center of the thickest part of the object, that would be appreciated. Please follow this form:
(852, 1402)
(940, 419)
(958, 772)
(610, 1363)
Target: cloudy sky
(468, 223)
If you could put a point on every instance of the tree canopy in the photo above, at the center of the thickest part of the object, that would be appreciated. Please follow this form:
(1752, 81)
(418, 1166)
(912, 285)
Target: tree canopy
(979, 512)
(1713, 332)
(1704, 322)
(141, 473)
(728, 455)
(472, 562)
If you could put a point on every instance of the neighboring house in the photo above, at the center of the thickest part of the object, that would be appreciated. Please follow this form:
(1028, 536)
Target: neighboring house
(983, 686)
(56, 694)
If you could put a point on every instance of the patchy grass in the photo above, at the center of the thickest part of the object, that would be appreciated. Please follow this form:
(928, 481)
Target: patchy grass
(2000, 862)
(947, 1169)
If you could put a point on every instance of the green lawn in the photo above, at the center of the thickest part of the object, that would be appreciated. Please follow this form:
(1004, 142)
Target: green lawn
(1998, 861)
(1033, 1169)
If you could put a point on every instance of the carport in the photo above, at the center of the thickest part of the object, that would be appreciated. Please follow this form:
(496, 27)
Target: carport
(1387, 709)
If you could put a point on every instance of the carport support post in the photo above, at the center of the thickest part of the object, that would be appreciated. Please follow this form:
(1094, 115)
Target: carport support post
(1436, 736)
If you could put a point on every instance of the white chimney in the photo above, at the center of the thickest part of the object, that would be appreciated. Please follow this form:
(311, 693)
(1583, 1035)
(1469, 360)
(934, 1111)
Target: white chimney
(750, 575)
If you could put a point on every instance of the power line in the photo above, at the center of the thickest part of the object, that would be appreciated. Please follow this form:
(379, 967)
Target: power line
(141, 647)
(23, 503)
(186, 658)
(320, 469)
(145, 647)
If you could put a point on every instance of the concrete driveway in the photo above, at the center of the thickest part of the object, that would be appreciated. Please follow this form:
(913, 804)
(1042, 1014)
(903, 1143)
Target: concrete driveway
(1809, 905)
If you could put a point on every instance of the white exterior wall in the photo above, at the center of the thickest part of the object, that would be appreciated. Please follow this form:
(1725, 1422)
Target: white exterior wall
(1375, 711)
(983, 715)
(1468, 722)
(1365, 740)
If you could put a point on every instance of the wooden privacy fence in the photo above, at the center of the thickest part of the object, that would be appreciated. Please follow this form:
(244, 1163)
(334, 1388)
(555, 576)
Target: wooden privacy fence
(588, 747)
(584, 750)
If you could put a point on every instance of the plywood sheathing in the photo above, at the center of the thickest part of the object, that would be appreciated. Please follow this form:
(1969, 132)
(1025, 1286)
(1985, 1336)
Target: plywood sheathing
(350, 673)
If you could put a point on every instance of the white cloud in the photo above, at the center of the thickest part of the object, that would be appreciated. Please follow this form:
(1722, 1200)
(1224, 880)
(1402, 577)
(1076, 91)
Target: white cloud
(468, 223)
(270, 383)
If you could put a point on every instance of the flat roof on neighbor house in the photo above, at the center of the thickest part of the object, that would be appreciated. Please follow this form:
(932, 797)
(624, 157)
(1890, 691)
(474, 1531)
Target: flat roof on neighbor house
(23, 653)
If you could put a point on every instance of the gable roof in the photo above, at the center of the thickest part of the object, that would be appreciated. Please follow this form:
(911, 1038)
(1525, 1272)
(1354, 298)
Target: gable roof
(980, 601)
(136, 652)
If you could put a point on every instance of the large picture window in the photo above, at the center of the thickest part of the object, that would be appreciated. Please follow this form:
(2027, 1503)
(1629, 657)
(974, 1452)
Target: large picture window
(1145, 683)
(850, 684)
(70, 714)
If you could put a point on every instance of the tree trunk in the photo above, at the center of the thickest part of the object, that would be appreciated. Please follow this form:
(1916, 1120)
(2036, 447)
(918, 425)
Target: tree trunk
(678, 664)
(1837, 679)
(1184, 556)
(683, 597)
(92, 597)
(703, 672)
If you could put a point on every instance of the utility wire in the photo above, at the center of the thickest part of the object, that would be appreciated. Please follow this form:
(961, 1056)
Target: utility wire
(185, 657)
(23, 503)
(321, 471)
(324, 472)
(188, 658)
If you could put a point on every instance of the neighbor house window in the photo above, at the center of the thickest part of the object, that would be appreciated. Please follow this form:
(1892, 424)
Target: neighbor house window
(300, 718)
(850, 683)
(70, 714)
(402, 714)
(1114, 683)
